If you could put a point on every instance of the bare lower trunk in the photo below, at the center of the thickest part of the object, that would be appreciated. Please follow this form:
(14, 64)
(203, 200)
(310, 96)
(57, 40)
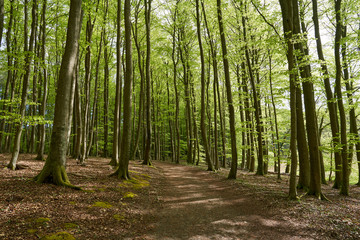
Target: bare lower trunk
(54, 168)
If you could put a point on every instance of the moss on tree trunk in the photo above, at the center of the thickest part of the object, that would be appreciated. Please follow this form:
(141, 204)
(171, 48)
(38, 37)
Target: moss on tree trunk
(55, 173)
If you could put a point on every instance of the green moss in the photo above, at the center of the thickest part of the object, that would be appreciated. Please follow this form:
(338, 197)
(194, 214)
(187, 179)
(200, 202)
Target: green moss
(101, 189)
(136, 183)
(119, 217)
(89, 191)
(59, 236)
(129, 195)
(42, 220)
(32, 231)
(102, 205)
(70, 225)
(146, 176)
(72, 203)
(133, 171)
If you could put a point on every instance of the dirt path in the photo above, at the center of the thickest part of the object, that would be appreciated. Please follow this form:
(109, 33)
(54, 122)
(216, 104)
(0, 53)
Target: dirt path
(195, 204)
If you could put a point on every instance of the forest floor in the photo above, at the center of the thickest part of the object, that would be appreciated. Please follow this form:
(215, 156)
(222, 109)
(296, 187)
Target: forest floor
(166, 201)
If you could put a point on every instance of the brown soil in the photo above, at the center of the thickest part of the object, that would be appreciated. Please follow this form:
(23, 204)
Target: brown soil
(167, 202)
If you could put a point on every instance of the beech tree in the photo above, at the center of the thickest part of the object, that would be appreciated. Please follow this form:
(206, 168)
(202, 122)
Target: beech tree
(207, 78)
(54, 168)
(122, 170)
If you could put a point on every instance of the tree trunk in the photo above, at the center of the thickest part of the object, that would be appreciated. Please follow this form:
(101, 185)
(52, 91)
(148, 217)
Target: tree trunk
(116, 138)
(202, 121)
(175, 60)
(310, 112)
(41, 147)
(329, 97)
(106, 94)
(142, 80)
(260, 166)
(287, 16)
(85, 123)
(54, 168)
(9, 71)
(28, 59)
(233, 169)
(278, 154)
(94, 114)
(304, 161)
(148, 83)
(123, 168)
(343, 138)
(77, 120)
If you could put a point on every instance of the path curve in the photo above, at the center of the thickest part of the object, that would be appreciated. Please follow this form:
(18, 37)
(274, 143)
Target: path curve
(196, 205)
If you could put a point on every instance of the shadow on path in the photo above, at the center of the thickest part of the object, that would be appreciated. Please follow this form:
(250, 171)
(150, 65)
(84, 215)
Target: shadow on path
(197, 205)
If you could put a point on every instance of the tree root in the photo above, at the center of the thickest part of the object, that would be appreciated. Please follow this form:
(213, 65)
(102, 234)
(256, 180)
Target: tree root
(323, 197)
(55, 174)
(16, 167)
(121, 174)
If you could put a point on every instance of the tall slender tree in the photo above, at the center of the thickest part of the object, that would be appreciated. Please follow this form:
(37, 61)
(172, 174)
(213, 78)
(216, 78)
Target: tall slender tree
(148, 83)
(202, 121)
(287, 17)
(54, 168)
(343, 138)
(28, 49)
(41, 147)
(234, 163)
(329, 96)
(123, 168)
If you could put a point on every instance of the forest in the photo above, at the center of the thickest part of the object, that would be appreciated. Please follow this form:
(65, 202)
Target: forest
(254, 91)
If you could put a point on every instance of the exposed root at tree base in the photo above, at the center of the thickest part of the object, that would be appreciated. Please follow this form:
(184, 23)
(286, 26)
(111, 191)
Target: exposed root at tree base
(56, 175)
(17, 167)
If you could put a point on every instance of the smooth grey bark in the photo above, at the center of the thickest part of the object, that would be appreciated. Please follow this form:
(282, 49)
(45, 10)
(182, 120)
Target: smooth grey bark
(310, 111)
(147, 154)
(329, 97)
(87, 81)
(123, 168)
(287, 17)
(203, 117)
(117, 110)
(54, 168)
(343, 138)
(234, 163)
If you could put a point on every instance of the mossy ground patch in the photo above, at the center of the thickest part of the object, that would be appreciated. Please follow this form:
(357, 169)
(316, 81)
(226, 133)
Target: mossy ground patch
(119, 217)
(102, 205)
(42, 220)
(59, 236)
(70, 225)
(129, 195)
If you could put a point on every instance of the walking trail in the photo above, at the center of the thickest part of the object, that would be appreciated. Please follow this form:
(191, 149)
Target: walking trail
(196, 204)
